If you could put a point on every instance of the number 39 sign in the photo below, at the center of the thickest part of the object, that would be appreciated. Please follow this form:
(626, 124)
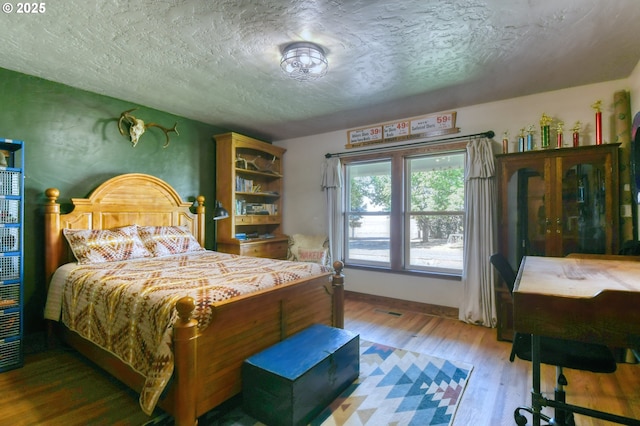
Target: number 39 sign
(415, 128)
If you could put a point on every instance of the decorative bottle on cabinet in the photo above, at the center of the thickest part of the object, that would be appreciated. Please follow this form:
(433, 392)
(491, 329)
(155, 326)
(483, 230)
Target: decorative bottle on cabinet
(11, 253)
(553, 203)
(249, 186)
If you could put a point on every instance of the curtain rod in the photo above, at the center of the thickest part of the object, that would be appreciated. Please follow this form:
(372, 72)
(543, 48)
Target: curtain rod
(488, 134)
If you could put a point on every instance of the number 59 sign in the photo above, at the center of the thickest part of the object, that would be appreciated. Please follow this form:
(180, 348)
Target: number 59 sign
(415, 128)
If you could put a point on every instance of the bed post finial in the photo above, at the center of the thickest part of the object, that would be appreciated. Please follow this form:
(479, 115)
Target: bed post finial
(338, 266)
(185, 307)
(52, 194)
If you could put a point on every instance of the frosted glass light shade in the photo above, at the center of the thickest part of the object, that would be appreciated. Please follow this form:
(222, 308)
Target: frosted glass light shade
(304, 61)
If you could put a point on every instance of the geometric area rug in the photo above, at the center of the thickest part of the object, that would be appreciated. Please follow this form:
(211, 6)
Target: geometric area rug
(395, 387)
(399, 387)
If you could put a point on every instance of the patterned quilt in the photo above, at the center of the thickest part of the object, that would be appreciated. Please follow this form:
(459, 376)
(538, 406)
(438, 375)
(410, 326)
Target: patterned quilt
(127, 307)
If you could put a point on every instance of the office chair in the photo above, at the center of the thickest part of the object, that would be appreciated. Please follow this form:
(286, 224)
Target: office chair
(560, 353)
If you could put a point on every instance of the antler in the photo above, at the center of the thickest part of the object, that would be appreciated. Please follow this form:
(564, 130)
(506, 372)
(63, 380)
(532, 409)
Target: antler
(165, 130)
(137, 127)
(125, 116)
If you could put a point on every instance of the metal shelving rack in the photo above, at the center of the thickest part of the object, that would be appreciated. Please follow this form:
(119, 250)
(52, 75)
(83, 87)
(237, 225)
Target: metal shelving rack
(11, 253)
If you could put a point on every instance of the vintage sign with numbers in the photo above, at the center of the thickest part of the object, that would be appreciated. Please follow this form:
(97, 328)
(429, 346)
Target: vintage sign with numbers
(415, 128)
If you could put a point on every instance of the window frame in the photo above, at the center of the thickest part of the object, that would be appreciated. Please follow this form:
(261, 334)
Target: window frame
(400, 207)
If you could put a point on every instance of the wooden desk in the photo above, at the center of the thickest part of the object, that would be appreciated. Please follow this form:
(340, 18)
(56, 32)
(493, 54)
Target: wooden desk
(588, 299)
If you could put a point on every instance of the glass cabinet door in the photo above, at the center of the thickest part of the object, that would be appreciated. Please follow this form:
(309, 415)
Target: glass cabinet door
(526, 208)
(583, 211)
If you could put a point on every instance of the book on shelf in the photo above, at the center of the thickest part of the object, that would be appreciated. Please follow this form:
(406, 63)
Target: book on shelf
(243, 207)
(244, 185)
(243, 236)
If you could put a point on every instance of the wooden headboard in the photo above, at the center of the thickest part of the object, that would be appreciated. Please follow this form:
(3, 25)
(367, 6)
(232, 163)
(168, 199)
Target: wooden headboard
(127, 199)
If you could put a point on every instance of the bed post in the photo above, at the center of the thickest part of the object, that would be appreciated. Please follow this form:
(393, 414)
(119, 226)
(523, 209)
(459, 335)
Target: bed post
(337, 281)
(52, 250)
(200, 218)
(185, 363)
(52, 234)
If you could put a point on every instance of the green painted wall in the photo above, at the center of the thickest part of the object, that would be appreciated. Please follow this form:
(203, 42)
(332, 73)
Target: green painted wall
(72, 143)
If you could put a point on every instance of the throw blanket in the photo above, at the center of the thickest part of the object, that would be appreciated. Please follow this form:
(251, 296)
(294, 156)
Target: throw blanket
(127, 307)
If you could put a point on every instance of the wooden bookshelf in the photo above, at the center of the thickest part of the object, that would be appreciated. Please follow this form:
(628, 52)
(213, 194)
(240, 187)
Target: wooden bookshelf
(249, 186)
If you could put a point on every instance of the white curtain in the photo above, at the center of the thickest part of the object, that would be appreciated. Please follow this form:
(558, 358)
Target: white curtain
(331, 184)
(478, 302)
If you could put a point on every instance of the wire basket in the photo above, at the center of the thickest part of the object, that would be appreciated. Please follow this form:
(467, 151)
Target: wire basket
(9, 268)
(9, 239)
(9, 183)
(9, 324)
(9, 353)
(9, 296)
(9, 211)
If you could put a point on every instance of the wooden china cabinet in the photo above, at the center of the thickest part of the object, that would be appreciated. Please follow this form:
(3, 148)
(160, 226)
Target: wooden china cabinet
(554, 202)
(249, 187)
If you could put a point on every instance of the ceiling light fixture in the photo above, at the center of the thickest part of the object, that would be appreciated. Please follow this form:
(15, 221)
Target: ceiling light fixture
(304, 61)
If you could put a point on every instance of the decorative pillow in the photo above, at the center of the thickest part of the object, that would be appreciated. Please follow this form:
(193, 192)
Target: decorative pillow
(310, 242)
(312, 255)
(166, 240)
(105, 245)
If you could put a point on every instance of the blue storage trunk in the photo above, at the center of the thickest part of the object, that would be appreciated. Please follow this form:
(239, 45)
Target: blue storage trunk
(293, 381)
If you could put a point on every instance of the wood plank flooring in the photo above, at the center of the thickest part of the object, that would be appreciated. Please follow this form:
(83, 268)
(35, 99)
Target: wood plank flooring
(59, 387)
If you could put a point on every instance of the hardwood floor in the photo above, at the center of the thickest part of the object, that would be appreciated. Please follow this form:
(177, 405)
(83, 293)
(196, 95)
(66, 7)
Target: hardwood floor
(60, 388)
(496, 386)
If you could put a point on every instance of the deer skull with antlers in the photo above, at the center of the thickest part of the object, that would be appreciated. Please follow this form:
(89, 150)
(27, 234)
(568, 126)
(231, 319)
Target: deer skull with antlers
(137, 127)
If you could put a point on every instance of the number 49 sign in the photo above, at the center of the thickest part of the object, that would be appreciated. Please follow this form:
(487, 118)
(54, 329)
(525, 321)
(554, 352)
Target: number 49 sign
(415, 128)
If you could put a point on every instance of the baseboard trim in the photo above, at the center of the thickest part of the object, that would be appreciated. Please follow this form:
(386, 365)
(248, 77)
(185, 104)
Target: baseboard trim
(407, 305)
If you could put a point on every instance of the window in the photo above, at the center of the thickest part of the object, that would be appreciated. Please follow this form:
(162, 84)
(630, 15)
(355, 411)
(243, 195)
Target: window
(368, 226)
(404, 211)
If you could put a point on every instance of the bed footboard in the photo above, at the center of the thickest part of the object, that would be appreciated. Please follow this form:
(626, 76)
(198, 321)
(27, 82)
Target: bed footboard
(192, 393)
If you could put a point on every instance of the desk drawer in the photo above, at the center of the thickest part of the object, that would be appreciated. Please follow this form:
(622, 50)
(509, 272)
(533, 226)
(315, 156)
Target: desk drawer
(271, 249)
(257, 219)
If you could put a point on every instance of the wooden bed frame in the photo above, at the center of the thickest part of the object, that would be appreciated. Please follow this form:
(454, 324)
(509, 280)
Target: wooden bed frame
(207, 364)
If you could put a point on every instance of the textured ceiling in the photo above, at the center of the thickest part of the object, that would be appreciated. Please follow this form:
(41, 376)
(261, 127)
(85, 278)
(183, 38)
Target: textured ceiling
(217, 61)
